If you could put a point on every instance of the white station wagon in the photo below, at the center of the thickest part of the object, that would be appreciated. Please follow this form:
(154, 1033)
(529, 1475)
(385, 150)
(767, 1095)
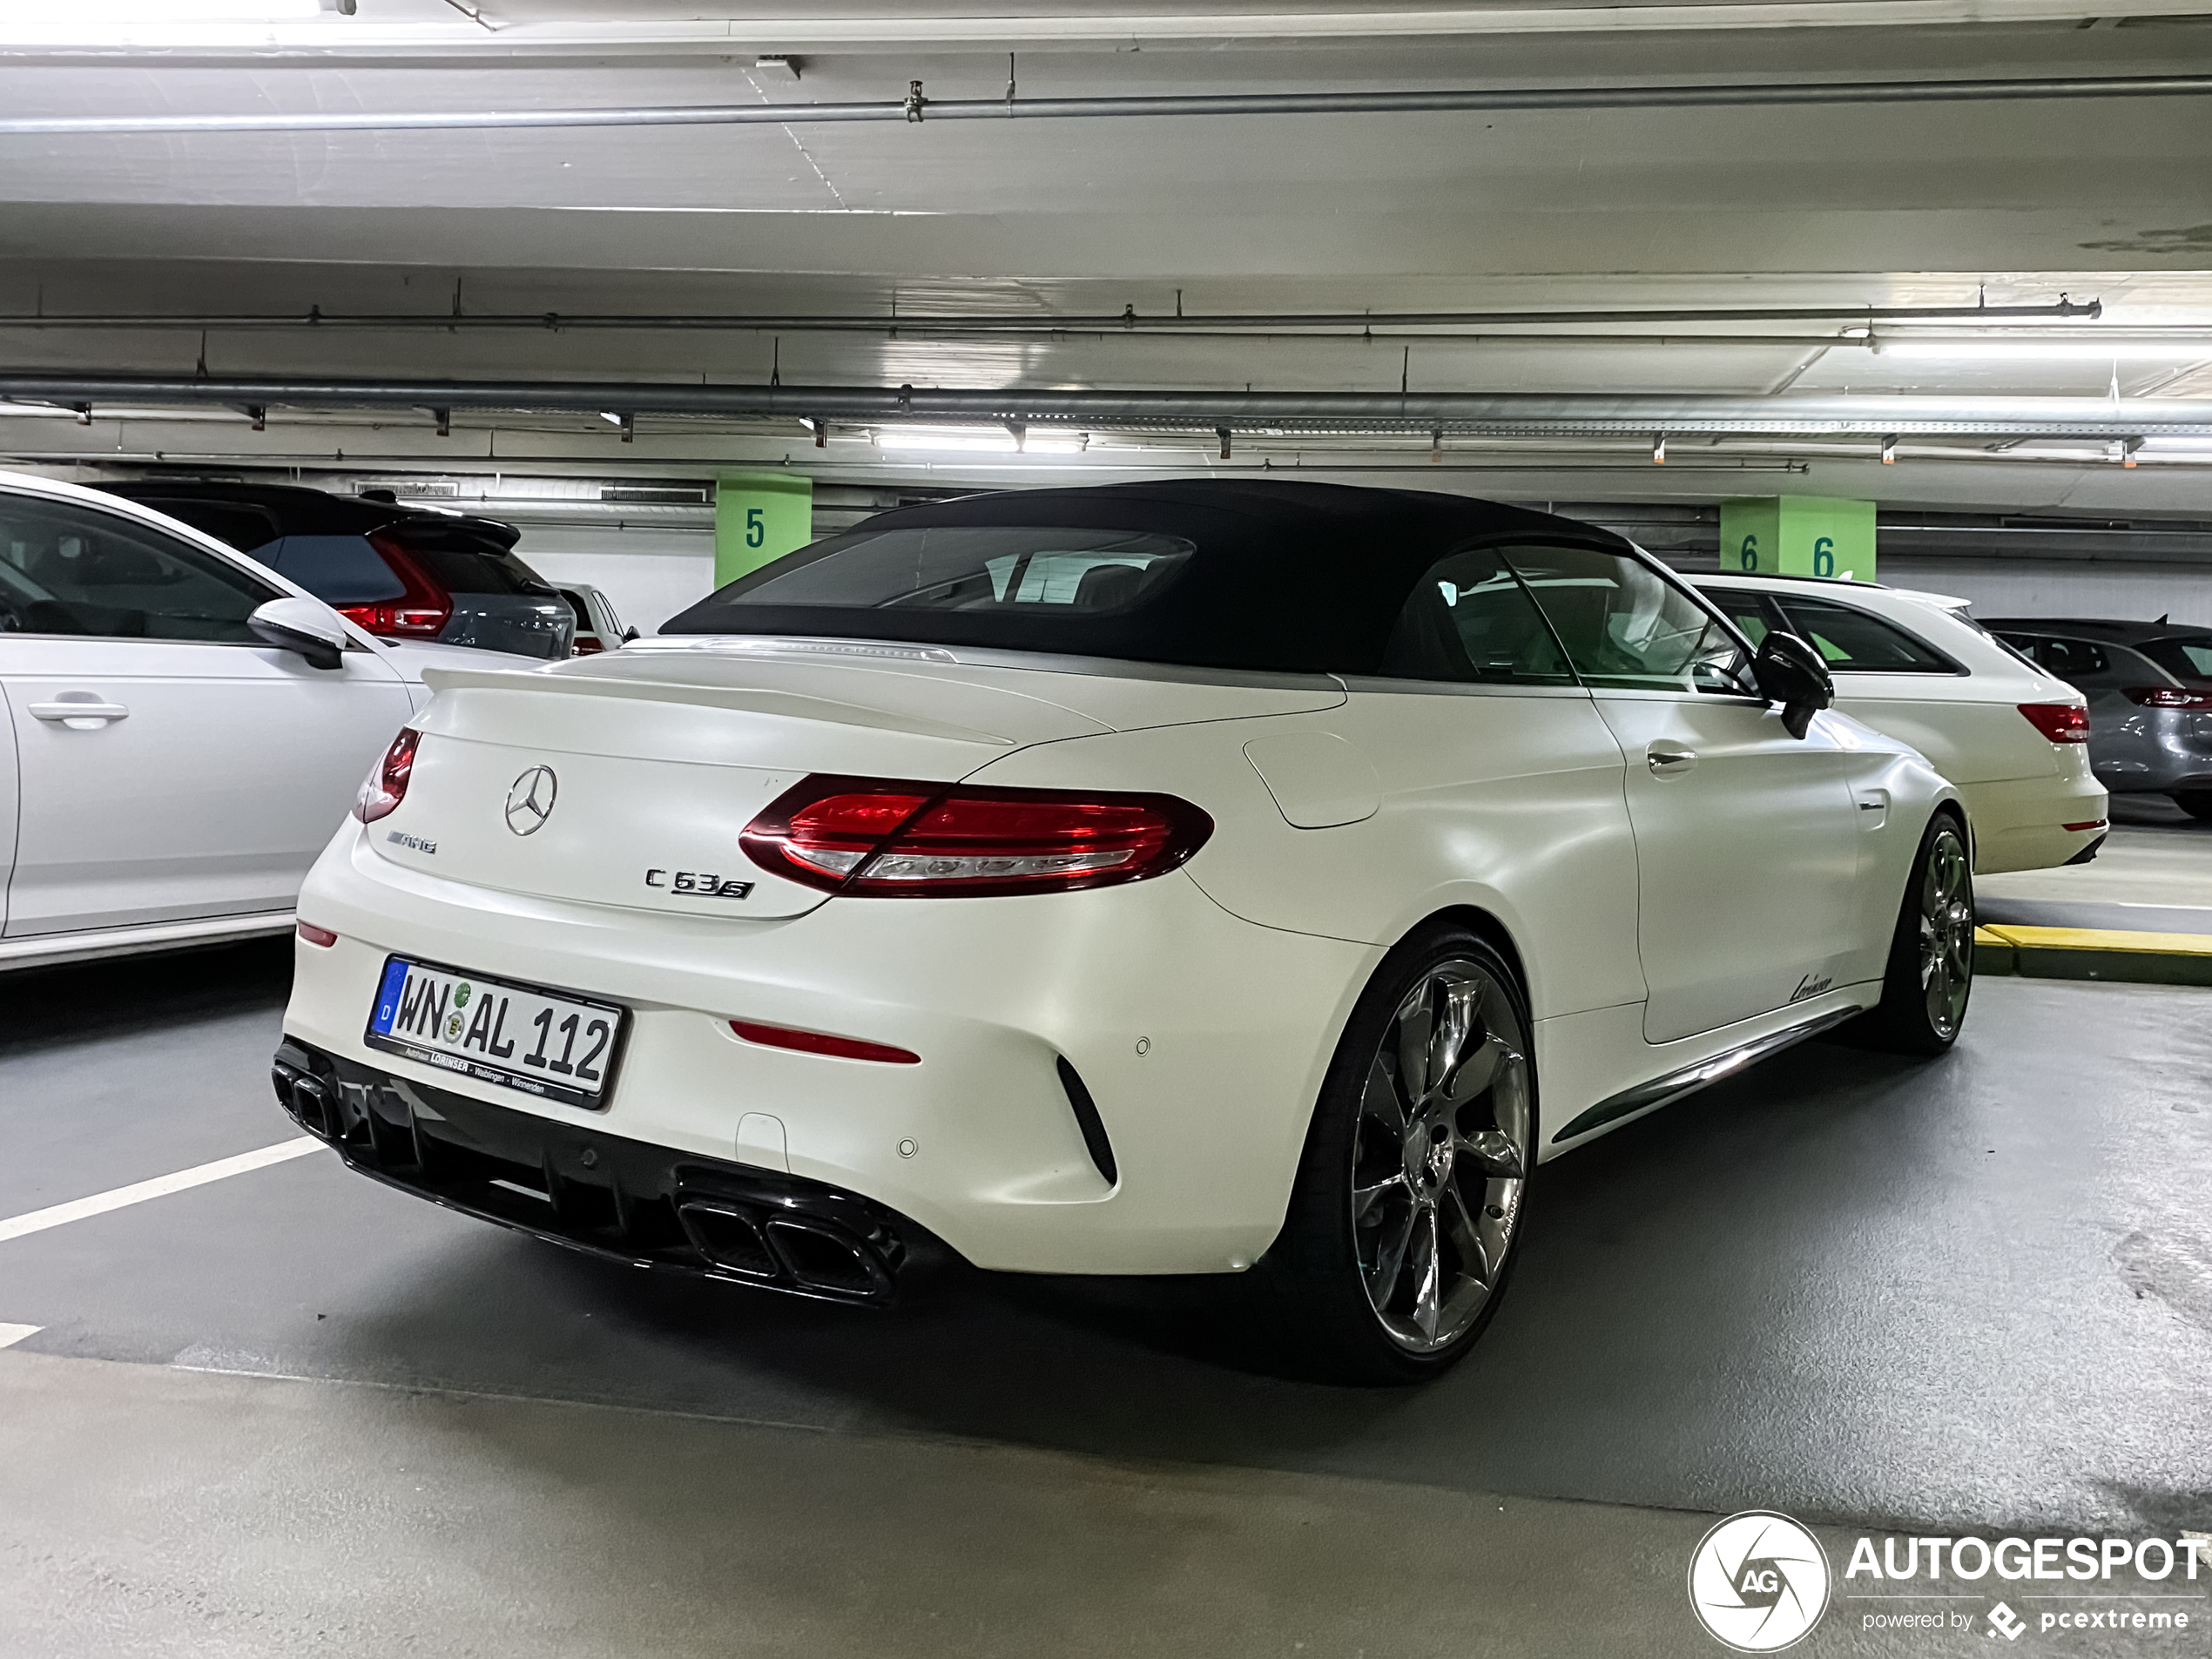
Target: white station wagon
(2012, 736)
(1171, 878)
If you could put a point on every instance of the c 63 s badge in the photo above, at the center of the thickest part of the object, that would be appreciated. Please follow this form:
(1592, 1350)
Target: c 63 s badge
(705, 883)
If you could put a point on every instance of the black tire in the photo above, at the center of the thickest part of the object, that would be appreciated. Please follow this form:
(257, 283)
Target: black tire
(2197, 803)
(1931, 973)
(1397, 1177)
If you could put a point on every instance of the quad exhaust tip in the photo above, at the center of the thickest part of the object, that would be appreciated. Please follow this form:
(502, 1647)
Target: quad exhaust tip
(791, 1248)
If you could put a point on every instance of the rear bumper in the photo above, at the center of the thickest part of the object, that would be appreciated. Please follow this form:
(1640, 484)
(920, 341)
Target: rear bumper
(2020, 824)
(621, 1199)
(1200, 1040)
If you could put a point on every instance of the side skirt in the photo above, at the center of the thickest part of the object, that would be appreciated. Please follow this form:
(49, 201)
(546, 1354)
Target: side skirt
(49, 950)
(1661, 1091)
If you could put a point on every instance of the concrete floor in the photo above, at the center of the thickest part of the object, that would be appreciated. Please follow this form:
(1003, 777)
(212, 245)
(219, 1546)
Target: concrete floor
(1969, 1295)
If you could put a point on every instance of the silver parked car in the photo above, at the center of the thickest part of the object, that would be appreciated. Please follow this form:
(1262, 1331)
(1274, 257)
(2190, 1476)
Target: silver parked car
(2150, 687)
(597, 626)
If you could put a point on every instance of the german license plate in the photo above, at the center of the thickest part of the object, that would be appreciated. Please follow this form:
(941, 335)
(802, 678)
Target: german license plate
(546, 1043)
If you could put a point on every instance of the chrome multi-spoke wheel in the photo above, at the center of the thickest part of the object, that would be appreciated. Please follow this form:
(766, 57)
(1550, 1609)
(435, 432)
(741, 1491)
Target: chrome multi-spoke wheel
(1439, 1155)
(1931, 971)
(1946, 932)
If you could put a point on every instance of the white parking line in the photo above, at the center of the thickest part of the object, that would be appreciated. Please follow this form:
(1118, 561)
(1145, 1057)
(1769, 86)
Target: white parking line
(100, 1203)
(11, 1334)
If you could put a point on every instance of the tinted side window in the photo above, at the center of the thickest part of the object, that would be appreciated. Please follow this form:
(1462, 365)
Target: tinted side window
(2073, 659)
(1625, 626)
(66, 570)
(1855, 643)
(1469, 618)
(242, 527)
(338, 570)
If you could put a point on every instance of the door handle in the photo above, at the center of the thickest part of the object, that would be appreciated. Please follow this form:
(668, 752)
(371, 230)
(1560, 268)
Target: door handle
(81, 712)
(1670, 760)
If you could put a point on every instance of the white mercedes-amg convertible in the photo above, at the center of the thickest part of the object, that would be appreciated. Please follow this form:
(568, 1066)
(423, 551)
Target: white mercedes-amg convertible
(1175, 878)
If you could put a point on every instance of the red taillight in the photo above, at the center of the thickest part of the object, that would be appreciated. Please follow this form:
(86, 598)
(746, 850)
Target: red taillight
(888, 839)
(2168, 696)
(2060, 722)
(587, 645)
(783, 1036)
(420, 612)
(315, 935)
(387, 785)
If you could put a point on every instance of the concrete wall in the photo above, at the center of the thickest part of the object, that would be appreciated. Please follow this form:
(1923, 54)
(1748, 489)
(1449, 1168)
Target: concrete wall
(649, 574)
(2057, 588)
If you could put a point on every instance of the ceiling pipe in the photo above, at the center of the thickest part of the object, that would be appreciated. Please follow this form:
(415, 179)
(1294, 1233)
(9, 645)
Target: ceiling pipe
(1489, 414)
(1126, 321)
(818, 29)
(915, 110)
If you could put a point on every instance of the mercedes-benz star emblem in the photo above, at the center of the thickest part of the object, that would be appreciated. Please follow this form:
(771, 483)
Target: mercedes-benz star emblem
(530, 801)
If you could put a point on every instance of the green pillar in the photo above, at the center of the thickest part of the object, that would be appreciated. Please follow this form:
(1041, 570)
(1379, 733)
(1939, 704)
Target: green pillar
(759, 517)
(1798, 535)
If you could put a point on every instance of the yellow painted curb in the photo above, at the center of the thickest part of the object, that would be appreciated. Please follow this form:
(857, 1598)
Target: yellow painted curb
(2094, 939)
(2094, 954)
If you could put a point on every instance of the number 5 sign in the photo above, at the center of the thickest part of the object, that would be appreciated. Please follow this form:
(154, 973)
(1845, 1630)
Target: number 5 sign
(759, 517)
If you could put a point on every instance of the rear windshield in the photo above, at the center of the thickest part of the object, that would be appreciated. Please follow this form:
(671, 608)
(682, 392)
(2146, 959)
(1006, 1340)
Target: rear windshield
(2190, 658)
(997, 569)
(468, 569)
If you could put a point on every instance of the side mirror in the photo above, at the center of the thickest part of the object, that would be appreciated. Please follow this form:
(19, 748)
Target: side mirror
(629, 635)
(301, 625)
(1792, 673)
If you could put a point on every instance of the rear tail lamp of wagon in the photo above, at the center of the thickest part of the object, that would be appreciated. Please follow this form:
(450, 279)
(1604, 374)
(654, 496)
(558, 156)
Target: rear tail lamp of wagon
(888, 839)
(2059, 722)
(424, 607)
(387, 785)
(2168, 697)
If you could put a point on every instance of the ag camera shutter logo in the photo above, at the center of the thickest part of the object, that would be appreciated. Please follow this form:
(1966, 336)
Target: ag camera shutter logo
(1759, 1583)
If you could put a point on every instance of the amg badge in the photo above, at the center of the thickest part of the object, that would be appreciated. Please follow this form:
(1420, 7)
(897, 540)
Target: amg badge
(706, 884)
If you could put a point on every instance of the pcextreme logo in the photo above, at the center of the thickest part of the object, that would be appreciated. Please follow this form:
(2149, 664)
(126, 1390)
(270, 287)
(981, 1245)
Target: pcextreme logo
(1759, 1582)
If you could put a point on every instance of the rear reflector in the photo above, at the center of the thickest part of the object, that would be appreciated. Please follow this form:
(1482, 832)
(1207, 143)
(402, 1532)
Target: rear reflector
(2059, 722)
(781, 1036)
(2094, 823)
(2168, 696)
(886, 838)
(315, 935)
(387, 785)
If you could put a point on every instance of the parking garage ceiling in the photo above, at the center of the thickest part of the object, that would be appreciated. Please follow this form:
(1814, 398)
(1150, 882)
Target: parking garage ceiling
(1651, 212)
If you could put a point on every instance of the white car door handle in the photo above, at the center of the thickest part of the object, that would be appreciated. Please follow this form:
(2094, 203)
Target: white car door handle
(1669, 761)
(85, 715)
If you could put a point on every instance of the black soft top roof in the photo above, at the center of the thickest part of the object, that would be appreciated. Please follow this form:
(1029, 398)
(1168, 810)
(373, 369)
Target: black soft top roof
(299, 510)
(1288, 576)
